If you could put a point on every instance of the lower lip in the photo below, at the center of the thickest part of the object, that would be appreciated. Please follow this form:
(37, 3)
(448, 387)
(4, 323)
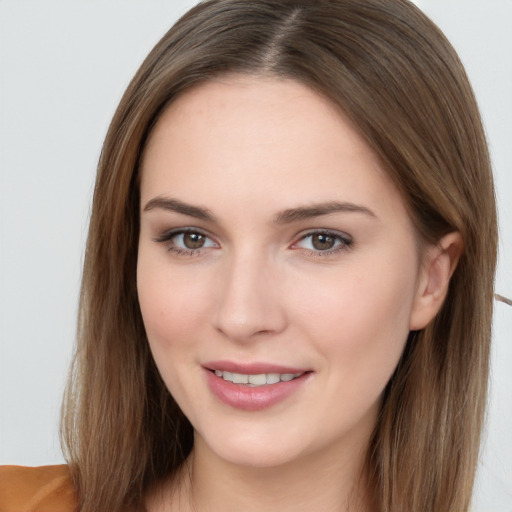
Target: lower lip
(249, 398)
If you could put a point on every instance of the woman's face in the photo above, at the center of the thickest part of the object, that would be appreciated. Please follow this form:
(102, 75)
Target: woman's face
(277, 270)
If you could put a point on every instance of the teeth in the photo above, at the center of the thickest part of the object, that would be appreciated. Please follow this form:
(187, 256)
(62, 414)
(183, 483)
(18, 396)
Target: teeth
(273, 378)
(239, 378)
(260, 379)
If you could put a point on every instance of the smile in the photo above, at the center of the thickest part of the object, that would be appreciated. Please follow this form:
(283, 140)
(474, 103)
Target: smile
(253, 387)
(257, 380)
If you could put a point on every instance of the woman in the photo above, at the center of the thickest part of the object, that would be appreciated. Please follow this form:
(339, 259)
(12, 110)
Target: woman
(298, 193)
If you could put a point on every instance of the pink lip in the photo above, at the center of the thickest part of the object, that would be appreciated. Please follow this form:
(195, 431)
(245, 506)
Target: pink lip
(240, 396)
(251, 368)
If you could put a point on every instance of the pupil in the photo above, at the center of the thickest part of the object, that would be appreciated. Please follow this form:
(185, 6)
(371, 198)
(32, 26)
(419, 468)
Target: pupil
(193, 240)
(323, 242)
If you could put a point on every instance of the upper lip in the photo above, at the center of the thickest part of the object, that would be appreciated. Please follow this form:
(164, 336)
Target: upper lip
(252, 368)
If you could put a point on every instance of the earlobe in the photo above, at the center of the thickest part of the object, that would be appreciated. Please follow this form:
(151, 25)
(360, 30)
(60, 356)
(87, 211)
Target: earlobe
(439, 263)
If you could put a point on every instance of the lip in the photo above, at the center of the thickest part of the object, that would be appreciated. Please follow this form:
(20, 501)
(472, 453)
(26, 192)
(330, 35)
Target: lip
(246, 398)
(252, 368)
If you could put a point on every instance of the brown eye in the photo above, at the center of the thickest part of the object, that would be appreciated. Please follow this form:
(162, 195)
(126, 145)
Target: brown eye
(193, 240)
(186, 241)
(322, 242)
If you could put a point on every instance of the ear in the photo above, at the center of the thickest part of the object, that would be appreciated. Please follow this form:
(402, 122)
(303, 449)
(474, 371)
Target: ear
(439, 263)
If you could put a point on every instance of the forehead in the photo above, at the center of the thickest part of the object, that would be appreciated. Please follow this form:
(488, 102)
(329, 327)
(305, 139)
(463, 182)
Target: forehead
(238, 138)
(254, 110)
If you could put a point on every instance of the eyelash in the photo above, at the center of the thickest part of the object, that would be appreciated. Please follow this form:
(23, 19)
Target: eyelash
(342, 242)
(167, 237)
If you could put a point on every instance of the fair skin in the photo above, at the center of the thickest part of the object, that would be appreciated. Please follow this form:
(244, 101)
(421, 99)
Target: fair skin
(272, 242)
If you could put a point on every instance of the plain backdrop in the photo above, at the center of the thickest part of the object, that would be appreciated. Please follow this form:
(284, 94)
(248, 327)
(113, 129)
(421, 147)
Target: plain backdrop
(63, 67)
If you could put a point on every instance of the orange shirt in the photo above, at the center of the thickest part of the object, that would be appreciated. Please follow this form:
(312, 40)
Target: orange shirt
(39, 489)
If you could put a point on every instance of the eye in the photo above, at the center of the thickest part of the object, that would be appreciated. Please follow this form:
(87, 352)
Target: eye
(324, 242)
(190, 240)
(186, 241)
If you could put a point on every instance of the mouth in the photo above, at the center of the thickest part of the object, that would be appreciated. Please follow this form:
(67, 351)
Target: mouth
(252, 387)
(257, 380)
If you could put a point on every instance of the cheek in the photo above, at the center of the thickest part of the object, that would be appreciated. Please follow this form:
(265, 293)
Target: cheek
(361, 323)
(171, 304)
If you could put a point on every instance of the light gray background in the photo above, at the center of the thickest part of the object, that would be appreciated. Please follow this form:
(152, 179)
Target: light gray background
(63, 67)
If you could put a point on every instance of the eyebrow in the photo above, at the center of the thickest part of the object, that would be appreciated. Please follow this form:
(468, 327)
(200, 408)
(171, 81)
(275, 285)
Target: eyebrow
(175, 205)
(317, 210)
(285, 217)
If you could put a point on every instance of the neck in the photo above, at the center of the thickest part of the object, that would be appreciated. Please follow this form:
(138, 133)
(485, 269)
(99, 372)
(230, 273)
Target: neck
(325, 482)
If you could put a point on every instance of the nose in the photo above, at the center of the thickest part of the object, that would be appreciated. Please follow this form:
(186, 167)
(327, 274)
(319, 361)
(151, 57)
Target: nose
(250, 304)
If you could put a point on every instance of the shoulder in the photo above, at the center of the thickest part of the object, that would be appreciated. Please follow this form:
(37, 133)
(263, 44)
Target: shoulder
(36, 489)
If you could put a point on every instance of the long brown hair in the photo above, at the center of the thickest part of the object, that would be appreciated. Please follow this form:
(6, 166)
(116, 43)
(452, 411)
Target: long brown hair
(391, 70)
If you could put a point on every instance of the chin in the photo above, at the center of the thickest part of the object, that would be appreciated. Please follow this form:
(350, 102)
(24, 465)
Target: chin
(253, 451)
